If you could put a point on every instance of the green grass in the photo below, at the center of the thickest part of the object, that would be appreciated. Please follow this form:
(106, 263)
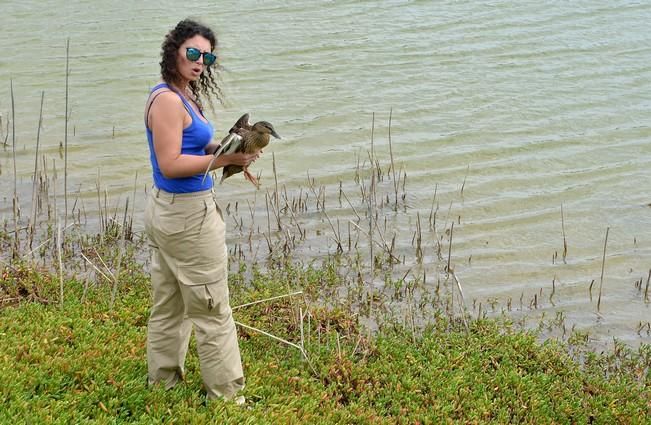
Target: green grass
(86, 363)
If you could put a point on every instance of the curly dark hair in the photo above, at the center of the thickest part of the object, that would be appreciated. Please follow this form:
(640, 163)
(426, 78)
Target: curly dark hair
(207, 82)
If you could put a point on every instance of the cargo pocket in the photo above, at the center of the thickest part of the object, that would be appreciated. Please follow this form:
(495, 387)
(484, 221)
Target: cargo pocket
(197, 299)
(206, 299)
(219, 299)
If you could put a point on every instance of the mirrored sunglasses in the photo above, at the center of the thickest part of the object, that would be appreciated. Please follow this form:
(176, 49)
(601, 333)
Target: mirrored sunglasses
(193, 54)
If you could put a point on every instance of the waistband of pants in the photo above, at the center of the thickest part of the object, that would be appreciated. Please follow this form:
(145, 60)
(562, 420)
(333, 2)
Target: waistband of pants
(169, 196)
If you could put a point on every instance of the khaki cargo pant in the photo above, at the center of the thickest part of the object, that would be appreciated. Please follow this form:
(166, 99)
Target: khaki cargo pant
(189, 273)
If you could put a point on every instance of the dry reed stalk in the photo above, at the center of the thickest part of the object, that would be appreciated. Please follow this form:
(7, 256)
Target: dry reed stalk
(646, 289)
(251, 209)
(461, 298)
(65, 143)
(266, 299)
(99, 205)
(32, 216)
(463, 185)
(273, 164)
(351, 205)
(564, 239)
(16, 245)
(104, 264)
(385, 245)
(133, 208)
(393, 167)
(419, 239)
(6, 133)
(371, 214)
(275, 211)
(447, 217)
(302, 331)
(46, 241)
(58, 241)
(124, 216)
(116, 276)
(450, 247)
(432, 213)
(267, 235)
(603, 264)
(372, 140)
(96, 268)
(302, 232)
(284, 341)
(337, 235)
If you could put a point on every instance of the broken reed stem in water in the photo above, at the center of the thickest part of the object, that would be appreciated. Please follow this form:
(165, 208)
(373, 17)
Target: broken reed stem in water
(4, 142)
(351, 205)
(450, 247)
(336, 233)
(646, 290)
(65, 140)
(46, 241)
(432, 212)
(564, 239)
(385, 247)
(99, 205)
(273, 163)
(393, 166)
(419, 239)
(272, 202)
(603, 263)
(463, 185)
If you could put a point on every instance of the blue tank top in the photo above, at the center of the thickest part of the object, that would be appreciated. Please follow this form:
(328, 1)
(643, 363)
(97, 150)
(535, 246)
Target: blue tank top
(193, 142)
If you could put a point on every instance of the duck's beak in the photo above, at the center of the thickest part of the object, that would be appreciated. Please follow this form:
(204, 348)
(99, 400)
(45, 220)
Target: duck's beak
(273, 133)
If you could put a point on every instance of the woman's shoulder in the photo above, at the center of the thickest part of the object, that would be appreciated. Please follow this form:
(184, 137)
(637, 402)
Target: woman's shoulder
(165, 96)
(165, 103)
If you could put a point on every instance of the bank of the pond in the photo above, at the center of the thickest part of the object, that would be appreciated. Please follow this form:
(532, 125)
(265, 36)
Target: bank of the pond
(84, 362)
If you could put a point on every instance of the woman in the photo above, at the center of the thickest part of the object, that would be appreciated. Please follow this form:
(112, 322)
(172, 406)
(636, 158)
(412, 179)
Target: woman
(184, 223)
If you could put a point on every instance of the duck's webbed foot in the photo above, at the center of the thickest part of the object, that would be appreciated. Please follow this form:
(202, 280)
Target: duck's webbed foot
(250, 177)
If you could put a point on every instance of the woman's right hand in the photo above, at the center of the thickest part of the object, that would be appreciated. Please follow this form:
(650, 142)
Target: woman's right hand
(240, 159)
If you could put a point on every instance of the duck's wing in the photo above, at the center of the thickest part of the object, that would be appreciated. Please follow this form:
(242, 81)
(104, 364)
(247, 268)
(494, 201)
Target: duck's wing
(229, 144)
(241, 123)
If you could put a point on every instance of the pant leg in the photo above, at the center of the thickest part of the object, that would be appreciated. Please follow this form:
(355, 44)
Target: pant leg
(219, 354)
(167, 335)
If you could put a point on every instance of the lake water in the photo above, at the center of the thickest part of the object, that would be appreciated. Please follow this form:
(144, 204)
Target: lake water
(508, 111)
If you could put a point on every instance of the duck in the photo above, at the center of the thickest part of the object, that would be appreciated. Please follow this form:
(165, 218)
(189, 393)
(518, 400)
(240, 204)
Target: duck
(242, 123)
(252, 138)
